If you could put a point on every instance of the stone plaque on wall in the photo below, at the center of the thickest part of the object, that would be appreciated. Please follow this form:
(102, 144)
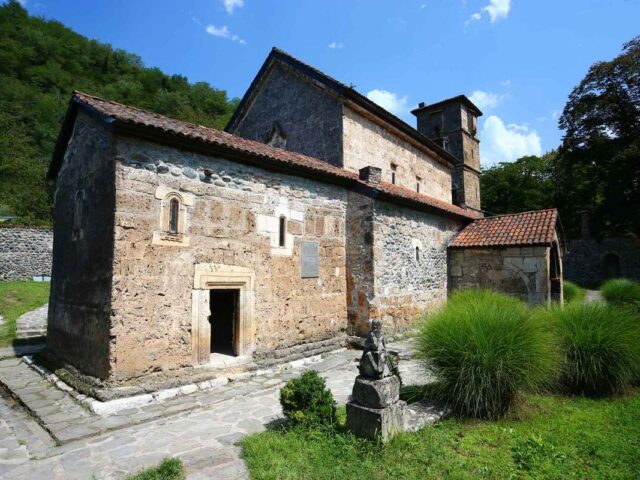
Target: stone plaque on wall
(309, 264)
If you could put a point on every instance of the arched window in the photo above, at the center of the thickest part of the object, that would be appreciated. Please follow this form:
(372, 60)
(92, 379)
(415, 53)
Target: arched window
(174, 214)
(417, 254)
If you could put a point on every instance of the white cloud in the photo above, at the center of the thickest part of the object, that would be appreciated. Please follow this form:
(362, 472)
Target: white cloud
(230, 5)
(223, 32)
(497, 10)
(506, 143)
(336, 45)
(485, 100)
(389, 101)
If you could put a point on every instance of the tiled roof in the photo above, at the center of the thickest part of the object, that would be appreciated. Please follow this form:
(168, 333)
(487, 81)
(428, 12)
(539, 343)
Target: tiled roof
(528, 228)
(260, 154)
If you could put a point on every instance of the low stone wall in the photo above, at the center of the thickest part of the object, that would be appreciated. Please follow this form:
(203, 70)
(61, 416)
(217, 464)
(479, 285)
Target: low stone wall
(589, 262)
(25, 252)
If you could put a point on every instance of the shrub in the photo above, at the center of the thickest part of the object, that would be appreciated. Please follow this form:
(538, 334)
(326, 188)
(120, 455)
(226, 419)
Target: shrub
(483, 348)
(601, 346)
(621, 291)
(307, 400)
(572, 292)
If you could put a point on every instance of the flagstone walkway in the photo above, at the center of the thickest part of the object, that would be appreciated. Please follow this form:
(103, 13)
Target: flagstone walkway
(45, 433)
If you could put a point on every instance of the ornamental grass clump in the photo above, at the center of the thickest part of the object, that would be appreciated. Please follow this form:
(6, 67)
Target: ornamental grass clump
(573, 292)
(600, 344)
(622, 291)
(484, 348)
(306, 400)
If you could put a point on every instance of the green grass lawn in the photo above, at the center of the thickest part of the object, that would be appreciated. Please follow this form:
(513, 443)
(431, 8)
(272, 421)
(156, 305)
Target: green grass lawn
(547, 437)
(17, 298)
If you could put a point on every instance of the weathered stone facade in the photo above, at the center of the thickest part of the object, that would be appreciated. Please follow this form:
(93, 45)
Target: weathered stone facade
(453, 124)
(25, 252)
(82, 271)
(228, 225)
(410, 263)
(308, 118)
(369, 144)
(519, 271)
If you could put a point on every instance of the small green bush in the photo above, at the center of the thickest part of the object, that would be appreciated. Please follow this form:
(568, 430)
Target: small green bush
(483, 348)
(600, 343)
(573, 292)
(621, 291)
(307, 400)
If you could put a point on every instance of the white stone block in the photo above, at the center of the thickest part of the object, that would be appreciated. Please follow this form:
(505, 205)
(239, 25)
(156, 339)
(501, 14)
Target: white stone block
(297, 215)
(113, 406)
(166, 394)
(188, 389)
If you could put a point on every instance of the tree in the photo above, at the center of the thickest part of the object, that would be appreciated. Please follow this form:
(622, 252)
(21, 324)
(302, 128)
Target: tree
(598, 164)
(519, 186)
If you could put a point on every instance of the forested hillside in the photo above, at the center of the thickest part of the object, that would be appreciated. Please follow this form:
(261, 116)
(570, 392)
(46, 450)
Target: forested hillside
(41, 63)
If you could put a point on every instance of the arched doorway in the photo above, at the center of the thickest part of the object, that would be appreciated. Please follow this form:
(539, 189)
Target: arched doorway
(611, 266)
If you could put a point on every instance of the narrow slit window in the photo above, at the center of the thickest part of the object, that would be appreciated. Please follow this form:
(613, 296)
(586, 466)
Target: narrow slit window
(393, 173)
(417, 254)
(282, 231)
(418, 184)
(174, 213)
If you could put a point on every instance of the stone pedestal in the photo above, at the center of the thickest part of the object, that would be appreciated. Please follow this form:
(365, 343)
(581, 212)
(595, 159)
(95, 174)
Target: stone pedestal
(376, 423)
(375, 411)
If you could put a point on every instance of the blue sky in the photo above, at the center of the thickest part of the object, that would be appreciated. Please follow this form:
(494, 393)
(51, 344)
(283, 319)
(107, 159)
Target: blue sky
(518, 59)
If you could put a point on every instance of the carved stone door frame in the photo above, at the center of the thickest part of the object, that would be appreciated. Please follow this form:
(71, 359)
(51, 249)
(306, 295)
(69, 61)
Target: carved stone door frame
(209, 276)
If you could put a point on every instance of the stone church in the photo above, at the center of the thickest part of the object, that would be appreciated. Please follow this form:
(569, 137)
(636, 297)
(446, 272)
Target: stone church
(181, 251)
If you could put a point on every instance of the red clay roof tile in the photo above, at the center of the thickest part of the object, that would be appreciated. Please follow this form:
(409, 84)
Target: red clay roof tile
(527, 228)
(267, 154)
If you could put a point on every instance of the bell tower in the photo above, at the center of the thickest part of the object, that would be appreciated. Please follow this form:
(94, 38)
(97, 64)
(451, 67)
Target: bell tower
(453, 124)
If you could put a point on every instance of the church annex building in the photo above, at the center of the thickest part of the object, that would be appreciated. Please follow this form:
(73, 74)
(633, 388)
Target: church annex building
(181, 251)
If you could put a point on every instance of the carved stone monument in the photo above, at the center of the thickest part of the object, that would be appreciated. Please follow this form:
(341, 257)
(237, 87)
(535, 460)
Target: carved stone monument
(375, 410)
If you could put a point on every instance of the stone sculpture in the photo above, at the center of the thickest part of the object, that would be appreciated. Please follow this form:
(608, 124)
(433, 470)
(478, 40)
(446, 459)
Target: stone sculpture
(375, 410)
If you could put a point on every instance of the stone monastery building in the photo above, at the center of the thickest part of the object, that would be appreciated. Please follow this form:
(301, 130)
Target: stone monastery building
(181, 251)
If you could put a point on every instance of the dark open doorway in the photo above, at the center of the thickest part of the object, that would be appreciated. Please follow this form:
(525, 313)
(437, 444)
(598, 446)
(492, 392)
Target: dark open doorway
(224, 319)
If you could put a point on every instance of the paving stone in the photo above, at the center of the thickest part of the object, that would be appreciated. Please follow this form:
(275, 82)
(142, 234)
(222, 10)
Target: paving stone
(201, 428)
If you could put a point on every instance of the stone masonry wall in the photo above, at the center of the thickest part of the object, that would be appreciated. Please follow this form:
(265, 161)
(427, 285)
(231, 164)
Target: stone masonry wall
(368, 144)
(230, 222)
(308, 117)
(518, 271)
(406, 286)
(80, 301)
(586, 260)
(25, 252)
(360, 277)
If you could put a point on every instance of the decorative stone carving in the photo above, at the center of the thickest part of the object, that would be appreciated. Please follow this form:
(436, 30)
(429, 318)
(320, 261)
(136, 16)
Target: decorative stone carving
(375, 410)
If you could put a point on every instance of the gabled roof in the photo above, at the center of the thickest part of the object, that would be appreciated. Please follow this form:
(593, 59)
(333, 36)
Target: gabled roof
(176, 133)
(343, 91)
(527, 228)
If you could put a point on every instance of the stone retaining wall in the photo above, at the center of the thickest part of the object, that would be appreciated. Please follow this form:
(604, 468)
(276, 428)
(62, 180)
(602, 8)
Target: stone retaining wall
(25, 252)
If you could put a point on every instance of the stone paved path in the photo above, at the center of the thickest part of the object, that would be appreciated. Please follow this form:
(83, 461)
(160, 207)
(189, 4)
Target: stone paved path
(202, 429)
(33, 323)
(594, 296)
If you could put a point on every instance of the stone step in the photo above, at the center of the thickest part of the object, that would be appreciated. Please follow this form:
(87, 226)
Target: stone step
(56, 411)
